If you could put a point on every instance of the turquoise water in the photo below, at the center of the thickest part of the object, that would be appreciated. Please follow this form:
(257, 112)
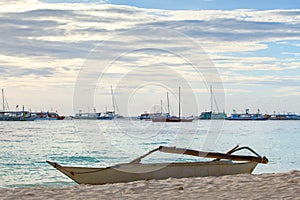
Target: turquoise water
(25, 146)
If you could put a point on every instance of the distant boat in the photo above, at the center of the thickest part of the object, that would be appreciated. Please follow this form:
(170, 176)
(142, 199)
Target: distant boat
(170, 118)
(47, 116)
(110, 115)
(248, 116)
(149, 116)
(87, 115)
(16, 116)
(13, 115)
(212, 115)
(289, 116)
(208, 115)
(135, 170)
(115, 105)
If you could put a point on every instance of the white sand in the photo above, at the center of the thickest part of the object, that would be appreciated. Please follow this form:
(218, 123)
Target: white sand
(244, 186)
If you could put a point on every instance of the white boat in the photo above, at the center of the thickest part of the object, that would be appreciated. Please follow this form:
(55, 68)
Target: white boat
(110, 115)
(135, 170)
(148, 116)
(87, 115)
(155, 115)
(288, 116)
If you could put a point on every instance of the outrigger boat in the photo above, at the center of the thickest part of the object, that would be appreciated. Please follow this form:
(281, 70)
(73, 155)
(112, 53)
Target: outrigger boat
(135, 170)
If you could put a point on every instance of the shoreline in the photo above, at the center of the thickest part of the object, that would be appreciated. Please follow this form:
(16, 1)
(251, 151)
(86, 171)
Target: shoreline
(241, 186)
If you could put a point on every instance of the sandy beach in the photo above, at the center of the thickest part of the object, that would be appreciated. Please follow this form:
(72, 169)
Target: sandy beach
(243, 186)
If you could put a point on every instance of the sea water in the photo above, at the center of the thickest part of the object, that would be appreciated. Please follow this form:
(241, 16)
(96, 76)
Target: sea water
(25, 146)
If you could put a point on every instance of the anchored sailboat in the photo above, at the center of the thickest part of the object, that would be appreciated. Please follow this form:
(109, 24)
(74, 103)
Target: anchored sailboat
(170, 118)
(211, 114)
(110, 115)
(9, 115)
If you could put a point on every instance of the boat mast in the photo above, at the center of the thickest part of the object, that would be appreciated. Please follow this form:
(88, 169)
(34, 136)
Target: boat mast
(211, 99)
(168, 103)
(23, 113)
(112, 99)
(161, 108)
(179, 102)
(3, 105)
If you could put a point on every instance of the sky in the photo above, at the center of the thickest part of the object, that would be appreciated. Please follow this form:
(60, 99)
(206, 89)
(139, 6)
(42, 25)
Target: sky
(66, 55)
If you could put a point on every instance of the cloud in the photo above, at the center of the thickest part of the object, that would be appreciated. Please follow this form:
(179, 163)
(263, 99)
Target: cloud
(18, 5)
(288, 90)
(50, 42)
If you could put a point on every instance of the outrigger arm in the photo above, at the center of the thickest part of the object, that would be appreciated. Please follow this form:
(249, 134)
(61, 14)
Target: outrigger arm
(216, 155)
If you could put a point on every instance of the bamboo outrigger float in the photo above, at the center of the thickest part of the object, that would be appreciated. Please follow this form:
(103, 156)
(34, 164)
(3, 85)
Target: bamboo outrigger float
(135, 170)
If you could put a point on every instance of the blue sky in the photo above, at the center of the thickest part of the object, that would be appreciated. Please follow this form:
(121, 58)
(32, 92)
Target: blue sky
(199, 4)
(70, 54)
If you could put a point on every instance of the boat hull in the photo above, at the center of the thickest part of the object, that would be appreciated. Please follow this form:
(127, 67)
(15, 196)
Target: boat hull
(171, 119)
(16, 119)
(247, 119)
(106, 118)
(248, 116)
(285, 117)
(135, 171)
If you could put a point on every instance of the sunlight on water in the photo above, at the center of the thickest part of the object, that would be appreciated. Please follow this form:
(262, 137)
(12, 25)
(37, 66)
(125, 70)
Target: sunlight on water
(25, 146)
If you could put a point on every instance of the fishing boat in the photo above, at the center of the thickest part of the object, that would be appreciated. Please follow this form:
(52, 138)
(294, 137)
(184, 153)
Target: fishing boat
(148, 116)
(208, 115)
(16, 116)
(288, 116)
(87, 115)
(156, 115)
(13, 115)
(135, 170)
(110, 115)
(248, 116)
(170, 118)
(212, 115)
(47, 116)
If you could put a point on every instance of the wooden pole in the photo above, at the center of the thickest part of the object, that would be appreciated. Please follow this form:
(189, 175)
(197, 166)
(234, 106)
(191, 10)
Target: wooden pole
(203, 154)
(228, 152)
(138, 160)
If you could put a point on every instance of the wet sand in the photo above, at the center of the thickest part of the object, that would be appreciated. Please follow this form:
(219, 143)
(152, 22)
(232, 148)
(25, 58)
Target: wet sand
(243, 186)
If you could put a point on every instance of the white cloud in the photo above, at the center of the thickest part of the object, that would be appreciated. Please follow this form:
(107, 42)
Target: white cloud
(45, 44)
(18, 5)
(288, 91)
